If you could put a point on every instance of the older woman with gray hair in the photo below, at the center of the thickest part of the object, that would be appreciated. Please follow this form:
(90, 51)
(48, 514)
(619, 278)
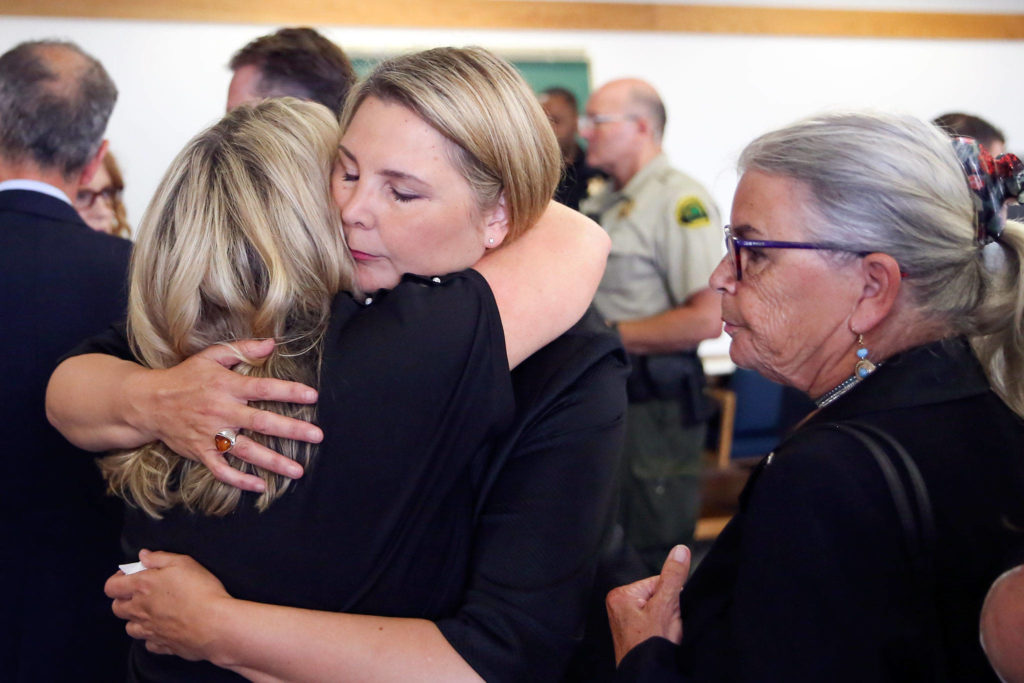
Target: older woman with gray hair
(861, 271)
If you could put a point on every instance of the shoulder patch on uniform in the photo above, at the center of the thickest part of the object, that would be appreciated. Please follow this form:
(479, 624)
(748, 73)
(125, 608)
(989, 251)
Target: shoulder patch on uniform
(690, 213)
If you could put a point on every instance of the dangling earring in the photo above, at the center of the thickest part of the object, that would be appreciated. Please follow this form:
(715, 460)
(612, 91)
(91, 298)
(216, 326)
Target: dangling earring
(864, 367)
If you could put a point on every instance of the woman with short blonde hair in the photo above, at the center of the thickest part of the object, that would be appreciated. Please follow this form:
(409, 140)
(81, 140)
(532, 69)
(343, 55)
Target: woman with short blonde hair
(448, 499)
(500, 141)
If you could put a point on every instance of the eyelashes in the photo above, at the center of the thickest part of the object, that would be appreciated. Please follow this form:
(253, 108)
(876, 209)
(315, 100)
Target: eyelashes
(401, 197)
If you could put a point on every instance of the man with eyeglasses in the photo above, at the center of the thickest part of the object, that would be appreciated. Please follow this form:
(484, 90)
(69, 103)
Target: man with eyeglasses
(666, 240)
(60, 282)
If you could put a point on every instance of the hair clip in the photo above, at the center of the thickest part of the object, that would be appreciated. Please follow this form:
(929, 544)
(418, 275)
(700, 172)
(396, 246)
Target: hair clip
(993, 182)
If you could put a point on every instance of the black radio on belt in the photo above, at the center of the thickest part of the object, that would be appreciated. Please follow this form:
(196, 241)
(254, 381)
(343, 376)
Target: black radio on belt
(671, 377)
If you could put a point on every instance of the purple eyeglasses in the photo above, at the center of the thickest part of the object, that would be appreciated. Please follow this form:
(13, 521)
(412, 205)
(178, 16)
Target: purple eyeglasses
(735, 245)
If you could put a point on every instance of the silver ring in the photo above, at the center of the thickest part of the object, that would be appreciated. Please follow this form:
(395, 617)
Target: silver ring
(225, 439)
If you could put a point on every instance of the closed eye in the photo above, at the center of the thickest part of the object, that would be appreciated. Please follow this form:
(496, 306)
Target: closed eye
(402, 197)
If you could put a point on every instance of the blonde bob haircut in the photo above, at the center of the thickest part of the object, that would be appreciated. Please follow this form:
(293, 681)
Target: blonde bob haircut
(241, 241)
(501, 141)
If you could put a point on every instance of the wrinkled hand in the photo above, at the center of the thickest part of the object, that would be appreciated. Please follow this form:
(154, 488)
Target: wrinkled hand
(186, 405)
(171, 605)
(649, 607)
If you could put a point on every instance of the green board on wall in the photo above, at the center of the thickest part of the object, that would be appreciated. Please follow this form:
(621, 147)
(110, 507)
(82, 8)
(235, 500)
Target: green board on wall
(573, 74)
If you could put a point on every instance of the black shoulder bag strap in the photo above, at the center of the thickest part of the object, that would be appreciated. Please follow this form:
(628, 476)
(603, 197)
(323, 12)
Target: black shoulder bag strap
(913, 505)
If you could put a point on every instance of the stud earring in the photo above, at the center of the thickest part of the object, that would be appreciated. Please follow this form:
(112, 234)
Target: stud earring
(490, 240)
(864, 366)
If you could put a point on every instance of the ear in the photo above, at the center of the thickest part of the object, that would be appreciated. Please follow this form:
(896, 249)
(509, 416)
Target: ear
(496, 226)
(643, 125)
(882, 281)
(93, 164)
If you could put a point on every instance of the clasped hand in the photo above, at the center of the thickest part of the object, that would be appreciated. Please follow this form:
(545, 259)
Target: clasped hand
(171, 605)
(186, 405)
(649, 607)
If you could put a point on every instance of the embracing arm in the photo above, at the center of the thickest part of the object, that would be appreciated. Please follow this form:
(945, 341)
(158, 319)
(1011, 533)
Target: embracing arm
(88, 401)
(303, 645)
(542, 284)
(545, 280)
(515, 623)
(101, 402)
(180, 608)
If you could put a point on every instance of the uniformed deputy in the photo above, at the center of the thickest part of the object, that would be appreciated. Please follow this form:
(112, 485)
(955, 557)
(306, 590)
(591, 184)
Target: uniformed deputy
(666, 239)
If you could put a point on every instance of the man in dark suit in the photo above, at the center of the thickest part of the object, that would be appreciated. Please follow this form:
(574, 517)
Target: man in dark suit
(60, 281)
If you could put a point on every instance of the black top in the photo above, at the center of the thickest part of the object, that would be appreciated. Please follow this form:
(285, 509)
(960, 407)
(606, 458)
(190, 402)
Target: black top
(60, 281)
(544, 509)
(812, 580)
(429, 513)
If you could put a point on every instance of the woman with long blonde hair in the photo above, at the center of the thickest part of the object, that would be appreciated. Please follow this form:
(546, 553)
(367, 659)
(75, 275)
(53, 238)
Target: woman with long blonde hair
(240, 242)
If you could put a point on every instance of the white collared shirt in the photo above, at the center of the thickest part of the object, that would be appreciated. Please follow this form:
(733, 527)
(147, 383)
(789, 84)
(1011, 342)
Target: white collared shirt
(35, 186)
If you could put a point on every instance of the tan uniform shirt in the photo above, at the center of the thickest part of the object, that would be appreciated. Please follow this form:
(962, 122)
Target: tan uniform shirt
(666, 239)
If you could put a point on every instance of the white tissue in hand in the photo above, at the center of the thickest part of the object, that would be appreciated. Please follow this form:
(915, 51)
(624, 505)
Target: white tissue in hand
(131, 567)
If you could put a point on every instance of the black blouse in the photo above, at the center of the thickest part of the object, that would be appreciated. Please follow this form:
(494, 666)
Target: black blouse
(812, 580)
(444, 488)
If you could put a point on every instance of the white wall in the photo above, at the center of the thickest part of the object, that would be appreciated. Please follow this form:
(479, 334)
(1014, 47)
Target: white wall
(720, 91)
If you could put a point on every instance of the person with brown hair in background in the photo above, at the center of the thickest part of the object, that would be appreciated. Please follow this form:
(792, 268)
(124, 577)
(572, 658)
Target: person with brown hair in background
(99, 202)
(563, 112)
(958, 124)
(991, 138)
(292, 62)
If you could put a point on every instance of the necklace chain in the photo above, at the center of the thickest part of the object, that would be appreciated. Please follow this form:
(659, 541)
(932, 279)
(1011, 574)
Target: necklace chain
(837, 391)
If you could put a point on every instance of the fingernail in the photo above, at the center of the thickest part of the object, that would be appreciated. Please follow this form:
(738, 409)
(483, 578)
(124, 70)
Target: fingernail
(680, 553)
(259, 487)
(143, 553)
(295, 472)
(309, 395)
(314, 436)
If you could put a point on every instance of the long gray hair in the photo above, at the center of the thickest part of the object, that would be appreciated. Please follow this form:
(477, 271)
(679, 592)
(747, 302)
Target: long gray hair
(892, 183)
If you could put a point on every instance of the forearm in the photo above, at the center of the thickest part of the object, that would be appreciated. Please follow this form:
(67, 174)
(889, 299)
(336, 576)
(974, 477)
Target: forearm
(273, 643)
(545, 280)
(89, 401)
(677, 329)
